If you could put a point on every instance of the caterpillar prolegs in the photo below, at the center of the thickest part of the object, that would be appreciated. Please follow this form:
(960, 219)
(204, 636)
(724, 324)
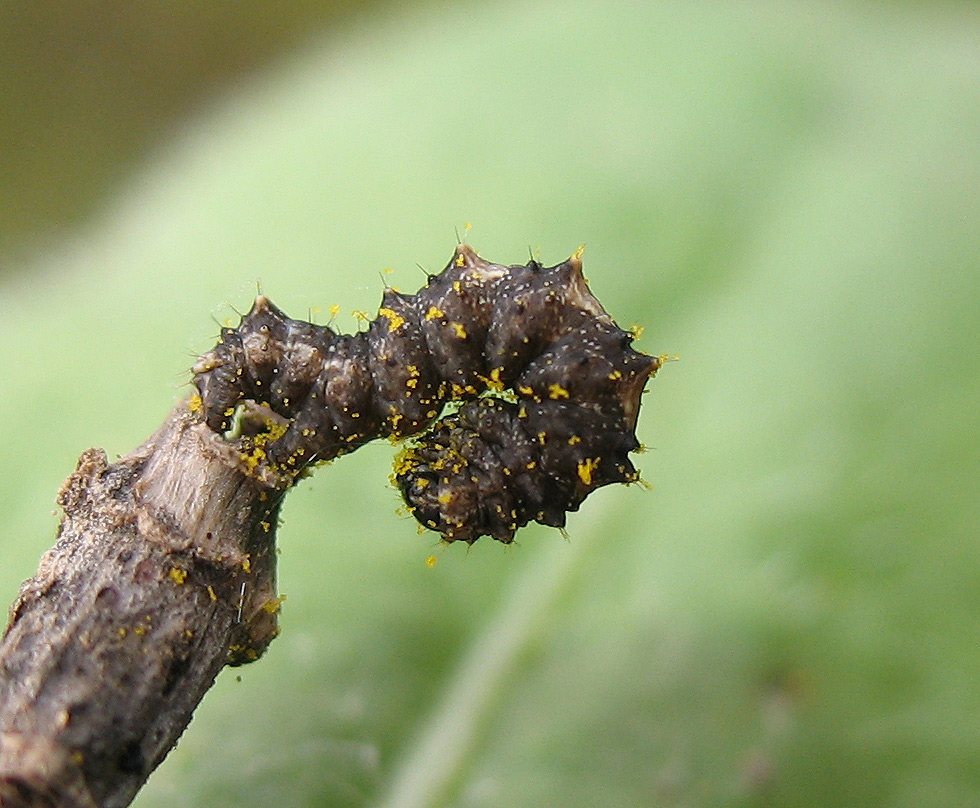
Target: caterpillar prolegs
(548, 388)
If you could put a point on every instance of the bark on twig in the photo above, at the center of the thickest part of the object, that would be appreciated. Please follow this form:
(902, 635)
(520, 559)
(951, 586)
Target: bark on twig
(163, 573)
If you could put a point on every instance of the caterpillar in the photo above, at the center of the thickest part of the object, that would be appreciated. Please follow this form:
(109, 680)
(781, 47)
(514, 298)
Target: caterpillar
(546, 388)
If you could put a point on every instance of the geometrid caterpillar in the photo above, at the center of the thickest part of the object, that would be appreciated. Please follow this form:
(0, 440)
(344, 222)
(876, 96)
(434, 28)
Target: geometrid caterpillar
(549, 385)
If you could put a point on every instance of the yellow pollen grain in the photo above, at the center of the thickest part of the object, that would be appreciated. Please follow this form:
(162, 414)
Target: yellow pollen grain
(273, 605)
(586, 468)
(459, 329)
(177, 575)
(434, 313)
(395, 320)
(495, 382)
(556, 391)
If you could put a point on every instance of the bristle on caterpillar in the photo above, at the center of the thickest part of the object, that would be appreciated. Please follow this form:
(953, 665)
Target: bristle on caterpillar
(549, 387)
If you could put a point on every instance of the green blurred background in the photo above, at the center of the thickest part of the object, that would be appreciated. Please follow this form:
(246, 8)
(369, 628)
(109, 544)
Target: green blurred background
(783, 193)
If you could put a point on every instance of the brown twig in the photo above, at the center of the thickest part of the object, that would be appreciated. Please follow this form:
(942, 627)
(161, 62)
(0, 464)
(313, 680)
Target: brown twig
(163, 573)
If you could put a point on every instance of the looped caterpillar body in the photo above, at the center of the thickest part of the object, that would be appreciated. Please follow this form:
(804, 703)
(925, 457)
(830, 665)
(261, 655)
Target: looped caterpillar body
(549, 387)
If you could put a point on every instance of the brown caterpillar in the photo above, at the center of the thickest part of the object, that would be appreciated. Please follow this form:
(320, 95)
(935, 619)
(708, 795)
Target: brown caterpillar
(550, 389)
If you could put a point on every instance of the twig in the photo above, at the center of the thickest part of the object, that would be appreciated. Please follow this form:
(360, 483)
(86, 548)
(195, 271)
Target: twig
(163, 573)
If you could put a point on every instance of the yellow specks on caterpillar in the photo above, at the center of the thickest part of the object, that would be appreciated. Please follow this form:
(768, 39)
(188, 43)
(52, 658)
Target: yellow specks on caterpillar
(395, 320)
(504, 348)
(494, 382)
(586, 469)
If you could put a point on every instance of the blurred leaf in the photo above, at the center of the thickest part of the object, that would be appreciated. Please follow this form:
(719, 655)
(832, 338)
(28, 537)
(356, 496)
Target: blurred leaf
(785, 196)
